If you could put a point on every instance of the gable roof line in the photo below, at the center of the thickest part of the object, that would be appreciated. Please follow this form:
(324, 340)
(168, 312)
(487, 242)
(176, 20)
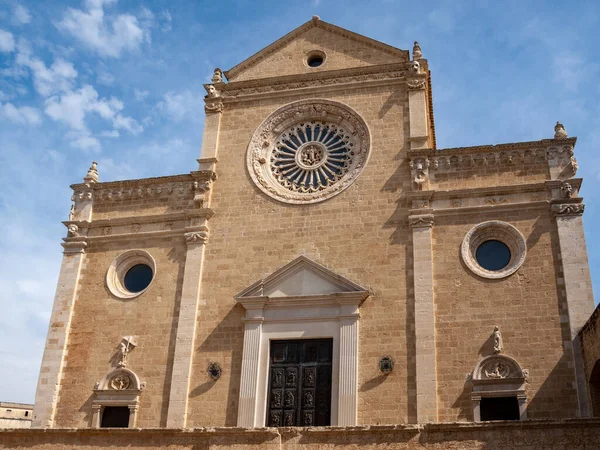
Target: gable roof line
(302, 260)
(314, 22)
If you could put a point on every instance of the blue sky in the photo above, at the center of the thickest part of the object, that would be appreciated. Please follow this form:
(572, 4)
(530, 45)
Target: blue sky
(120, 82)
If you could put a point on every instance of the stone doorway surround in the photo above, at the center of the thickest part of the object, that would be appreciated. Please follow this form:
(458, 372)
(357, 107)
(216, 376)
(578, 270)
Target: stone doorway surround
(302, 300)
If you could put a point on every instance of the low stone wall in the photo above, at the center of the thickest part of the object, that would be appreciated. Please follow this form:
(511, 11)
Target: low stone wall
(532, 435)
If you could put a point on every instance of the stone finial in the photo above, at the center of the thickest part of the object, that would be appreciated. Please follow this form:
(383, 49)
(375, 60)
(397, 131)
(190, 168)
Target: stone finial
(417, 53)
(92, 174)
(217, 76)
(315, 18)
(497, 340)
(559, 131)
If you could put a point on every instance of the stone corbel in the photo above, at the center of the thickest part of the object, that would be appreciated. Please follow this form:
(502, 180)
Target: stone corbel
(561, 190)
(419, 168)
(201, 187)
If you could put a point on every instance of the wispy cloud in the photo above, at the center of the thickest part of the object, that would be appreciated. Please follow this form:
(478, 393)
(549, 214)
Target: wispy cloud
(7, 41)
(20, 114)
(180, 105)
(21, 15)
(109, 36)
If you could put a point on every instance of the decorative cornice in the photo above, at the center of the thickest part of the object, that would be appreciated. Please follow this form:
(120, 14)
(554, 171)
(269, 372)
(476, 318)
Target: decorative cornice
(283, 41)
(421, 221)
(497, 148)
(233, 90)
(567, 209)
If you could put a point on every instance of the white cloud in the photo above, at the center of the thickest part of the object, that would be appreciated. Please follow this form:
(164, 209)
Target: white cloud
(21, 15)
(21, 115)
(72, 108)
(165, 20)
(7, 41)
(59, 77)
(179, 105)
(127, 123)
(109, 36)
(110, 134)
(140, 94)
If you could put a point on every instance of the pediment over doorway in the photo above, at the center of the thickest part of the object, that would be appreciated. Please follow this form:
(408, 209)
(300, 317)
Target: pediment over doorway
(303, 277)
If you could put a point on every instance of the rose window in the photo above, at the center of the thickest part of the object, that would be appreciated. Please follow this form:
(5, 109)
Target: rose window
(311, 156)
(308, 151)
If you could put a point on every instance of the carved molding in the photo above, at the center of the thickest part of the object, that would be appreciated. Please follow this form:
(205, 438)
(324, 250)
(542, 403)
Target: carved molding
(421, 220)
(568, 209)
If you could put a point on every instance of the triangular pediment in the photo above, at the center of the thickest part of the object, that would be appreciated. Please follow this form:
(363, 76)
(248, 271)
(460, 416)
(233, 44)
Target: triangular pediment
(301, 278)
(344, 49)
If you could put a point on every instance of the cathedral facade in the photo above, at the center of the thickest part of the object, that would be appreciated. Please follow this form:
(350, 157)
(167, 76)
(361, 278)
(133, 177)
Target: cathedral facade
(325, 265)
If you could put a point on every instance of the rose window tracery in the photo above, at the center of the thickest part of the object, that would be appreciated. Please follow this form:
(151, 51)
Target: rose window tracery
(311, 156)
(308, 151)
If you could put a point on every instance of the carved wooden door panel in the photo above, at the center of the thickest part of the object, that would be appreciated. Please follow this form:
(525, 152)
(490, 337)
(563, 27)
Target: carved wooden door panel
(300, 383)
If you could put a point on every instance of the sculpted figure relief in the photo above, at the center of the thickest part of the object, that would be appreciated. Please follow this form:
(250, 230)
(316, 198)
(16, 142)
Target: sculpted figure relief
(497, 340)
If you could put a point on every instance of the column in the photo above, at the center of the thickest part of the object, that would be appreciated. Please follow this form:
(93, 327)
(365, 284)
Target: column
(348, 372)
(426, 371)
(250, 362)
(186, 328)
(55, 351)
(577, 286)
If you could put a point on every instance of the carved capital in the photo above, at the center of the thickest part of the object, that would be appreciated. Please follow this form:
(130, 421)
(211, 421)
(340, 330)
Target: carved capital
(421, 221)
(213, 106)
(196, 237)
(416, 84)
(568, 209)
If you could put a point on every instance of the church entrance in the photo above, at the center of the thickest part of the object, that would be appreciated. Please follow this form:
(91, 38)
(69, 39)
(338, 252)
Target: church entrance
(300, 383)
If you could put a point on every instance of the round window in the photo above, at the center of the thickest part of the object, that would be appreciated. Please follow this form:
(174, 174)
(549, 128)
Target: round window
(130, 274)
(138, 278)
(315, 61)
(493, 249)
(315, 58)
(493, 255)
(308, 151)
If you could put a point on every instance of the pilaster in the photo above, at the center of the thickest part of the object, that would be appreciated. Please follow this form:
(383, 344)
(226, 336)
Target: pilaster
(55, 351)
(247, 407)
(426, 371)
(212, 123)
(195, 238)
(347, 401)
(577, 283)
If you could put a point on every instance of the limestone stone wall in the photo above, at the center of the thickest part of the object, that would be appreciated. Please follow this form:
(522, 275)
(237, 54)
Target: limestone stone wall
(100, 321)
(524, 305)
(361, 234)
(531, 435)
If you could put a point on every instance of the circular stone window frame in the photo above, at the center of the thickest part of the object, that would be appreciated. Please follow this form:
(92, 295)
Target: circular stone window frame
(262, 145)
(498, 231)
(115, 276)
(315, 54)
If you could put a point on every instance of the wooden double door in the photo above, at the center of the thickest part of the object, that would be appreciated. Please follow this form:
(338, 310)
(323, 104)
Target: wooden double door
(300, 383)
